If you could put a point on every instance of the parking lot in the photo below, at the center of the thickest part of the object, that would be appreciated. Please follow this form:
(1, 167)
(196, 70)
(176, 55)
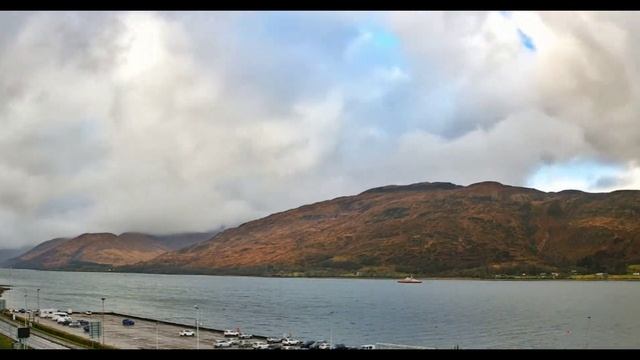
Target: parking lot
(145, 334)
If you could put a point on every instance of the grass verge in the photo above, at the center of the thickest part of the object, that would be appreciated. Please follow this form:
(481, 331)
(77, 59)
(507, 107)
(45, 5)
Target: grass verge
(5, 342)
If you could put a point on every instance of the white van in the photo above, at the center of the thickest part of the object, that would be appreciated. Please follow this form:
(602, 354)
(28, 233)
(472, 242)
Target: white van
(46, 313)
(56, 315)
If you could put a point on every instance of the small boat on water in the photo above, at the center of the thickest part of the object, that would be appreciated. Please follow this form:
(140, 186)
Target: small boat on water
(410, 280)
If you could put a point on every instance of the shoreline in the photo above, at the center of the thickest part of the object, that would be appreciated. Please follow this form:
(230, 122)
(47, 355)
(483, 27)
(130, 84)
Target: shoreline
(585, 277)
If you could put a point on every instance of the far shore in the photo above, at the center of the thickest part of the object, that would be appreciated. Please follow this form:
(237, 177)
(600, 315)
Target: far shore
(580, 277)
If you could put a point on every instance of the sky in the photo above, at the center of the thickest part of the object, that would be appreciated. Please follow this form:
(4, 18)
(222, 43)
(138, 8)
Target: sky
(167, 122)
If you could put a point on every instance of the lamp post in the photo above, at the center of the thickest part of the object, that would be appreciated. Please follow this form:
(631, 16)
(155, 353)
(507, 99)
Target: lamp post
(586, 342)
(26, 308)
(103, 299)
(197, 327)
(38, 296)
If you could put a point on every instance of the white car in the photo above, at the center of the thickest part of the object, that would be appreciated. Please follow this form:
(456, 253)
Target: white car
(324, 346)
(64, 320)
(233, 342)
(273, 340)
(56, 315)
(260, 345)
(245, 336)
(222, 344)
(231, 333)
(187, 333)
(88, 313)
(290, 342)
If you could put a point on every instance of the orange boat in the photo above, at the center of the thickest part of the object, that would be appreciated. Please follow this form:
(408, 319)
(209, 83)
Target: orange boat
(410, 280)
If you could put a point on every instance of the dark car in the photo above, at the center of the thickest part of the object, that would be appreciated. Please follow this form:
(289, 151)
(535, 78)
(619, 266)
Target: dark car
(86, 328)
(74, 324)
(307, 344)
(128, 322)
(83, 322)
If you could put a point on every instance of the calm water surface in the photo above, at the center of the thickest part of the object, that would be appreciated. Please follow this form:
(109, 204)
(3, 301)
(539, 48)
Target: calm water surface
(436, 313)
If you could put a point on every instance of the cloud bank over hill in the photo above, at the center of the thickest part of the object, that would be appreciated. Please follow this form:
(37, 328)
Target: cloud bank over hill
(165, 122)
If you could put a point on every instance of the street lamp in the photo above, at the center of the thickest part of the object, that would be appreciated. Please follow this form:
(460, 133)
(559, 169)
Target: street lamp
(38, 295)
(26, 308)
(197, 327)
(103, 299)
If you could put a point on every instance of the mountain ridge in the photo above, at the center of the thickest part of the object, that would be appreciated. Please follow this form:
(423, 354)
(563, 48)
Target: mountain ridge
(429, 228)
(100, 251)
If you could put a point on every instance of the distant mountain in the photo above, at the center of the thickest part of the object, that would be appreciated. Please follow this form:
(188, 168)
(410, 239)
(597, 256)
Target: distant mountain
(426, 228)
(8, 254)
(100, 251)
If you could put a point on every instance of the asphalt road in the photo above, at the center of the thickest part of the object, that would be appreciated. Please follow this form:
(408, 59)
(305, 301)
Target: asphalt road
(34, 341)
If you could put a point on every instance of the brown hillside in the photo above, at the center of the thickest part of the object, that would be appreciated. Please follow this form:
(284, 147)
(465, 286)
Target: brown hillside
(99, 251)
(89, 250)
(430, 228)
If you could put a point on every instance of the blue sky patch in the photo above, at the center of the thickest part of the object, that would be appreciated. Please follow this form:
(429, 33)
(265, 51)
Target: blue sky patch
(526, 40)
(579, 174)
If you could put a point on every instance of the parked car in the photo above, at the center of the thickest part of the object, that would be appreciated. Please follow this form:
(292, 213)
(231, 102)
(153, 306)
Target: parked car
(187, 333)
(83, 322)
(64, 320)
(322, 345)
(260, 345)
(245, 344)
(245, 336)
(222, 344)
(86, 328)
(88, 313)
(48, 313)
(74, 324)
(290, 342)
(231, 333)
(57, 315)
(273, 340)
(128, 322)
(307, 344)
(368, 347)
(234, 341)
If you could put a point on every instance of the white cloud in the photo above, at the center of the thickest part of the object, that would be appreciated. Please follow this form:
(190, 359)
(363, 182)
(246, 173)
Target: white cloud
(168, 122)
